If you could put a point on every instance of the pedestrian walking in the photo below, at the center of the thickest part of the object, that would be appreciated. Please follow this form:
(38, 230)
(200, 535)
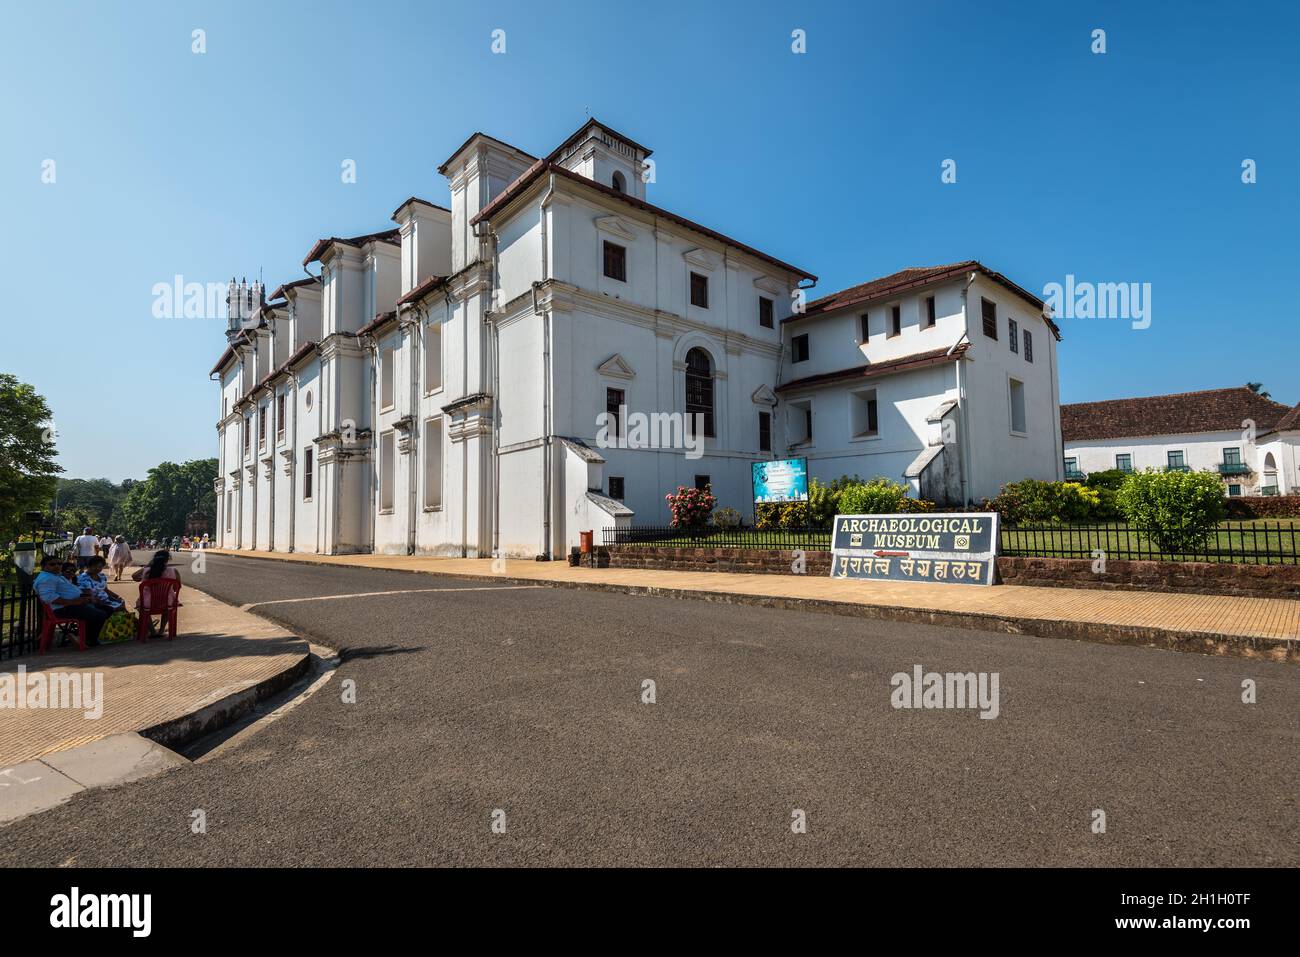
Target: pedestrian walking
(119, 556)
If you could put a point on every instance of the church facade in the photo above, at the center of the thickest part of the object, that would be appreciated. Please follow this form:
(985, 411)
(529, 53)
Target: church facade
(550, 353)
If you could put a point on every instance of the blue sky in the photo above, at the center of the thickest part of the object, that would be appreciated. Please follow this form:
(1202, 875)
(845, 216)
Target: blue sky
(1120, 167)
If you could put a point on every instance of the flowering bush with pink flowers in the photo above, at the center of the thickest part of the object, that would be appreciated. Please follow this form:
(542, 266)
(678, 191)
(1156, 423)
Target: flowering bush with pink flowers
(691, 507)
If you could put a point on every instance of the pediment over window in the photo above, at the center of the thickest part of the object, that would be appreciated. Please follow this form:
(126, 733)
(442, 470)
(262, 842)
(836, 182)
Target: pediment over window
(770, 285)
(617, 367)
(764, 396)
(617, 226)
(700, 259)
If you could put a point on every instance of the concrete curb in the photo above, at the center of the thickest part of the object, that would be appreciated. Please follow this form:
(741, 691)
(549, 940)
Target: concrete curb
(176, 733)
(1194, 642)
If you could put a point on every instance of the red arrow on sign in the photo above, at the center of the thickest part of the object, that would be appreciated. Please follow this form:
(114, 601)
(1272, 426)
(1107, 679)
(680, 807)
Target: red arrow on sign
(891, 554)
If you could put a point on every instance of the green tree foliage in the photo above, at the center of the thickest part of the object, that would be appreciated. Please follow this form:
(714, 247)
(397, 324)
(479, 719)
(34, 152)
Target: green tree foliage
(158, 506)
(1178, 510)
(28, 472)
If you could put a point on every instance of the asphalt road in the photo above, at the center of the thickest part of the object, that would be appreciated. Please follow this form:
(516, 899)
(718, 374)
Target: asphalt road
(529, 701)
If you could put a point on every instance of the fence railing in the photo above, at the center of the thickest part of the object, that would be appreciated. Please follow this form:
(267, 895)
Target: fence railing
(1249, 543)
(1252, 543)
(20, 620)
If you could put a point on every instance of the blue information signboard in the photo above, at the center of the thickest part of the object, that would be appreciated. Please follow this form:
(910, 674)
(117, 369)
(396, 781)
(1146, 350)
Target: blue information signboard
(782, 480)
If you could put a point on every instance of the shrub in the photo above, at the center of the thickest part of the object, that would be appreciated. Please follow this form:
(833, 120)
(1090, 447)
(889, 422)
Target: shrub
(1110, 478)
(823, 503)
(1033, 500)
(726, 518)
(880, 496)
(1178, 510)
(691, 507)
(916, 505)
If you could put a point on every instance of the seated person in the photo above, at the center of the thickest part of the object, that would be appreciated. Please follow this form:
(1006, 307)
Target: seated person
(94, 579)
(67, 600)
(157, 568)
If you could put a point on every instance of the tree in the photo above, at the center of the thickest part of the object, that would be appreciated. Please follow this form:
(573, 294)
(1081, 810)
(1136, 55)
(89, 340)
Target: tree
(158, 506)
(1255, 387)
(28, 472)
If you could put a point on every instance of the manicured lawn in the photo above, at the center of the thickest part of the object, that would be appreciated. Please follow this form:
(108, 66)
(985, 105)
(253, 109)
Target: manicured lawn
(1256, 541)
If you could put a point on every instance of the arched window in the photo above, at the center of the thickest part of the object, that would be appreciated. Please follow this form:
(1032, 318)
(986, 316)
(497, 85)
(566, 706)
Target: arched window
(699, 388)
(620, 184)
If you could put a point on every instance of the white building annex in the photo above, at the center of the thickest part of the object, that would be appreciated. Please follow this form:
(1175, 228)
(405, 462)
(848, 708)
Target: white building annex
(1253, 443)
(448, 386)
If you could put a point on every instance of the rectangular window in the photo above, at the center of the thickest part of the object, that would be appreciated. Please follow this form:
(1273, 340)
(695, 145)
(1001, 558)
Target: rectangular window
(306, 474)
(230, 511)
(864, 331)
(1071, 466)
(1029, 347)
(1234, 490)
(433, 462)
(616, 487)
(279, 417)
(386, 390)
(615, 261)
(800, 422)
(261, 426)
(990, 314)
(1124, 461)
(387, 470)
(433, 357)
(799, 348)
(930, 315)
(1175, 461)
(862, 414)
(248, 431)
(613, 404)
(765, 431)
(702, 483)
(1017, 394)
(1232, 456)
(895, 321)
(765, 312)
(699, 290)
(1013, 335)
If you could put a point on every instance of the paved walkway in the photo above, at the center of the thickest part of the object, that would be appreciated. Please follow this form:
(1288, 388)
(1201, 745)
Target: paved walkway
(219, 652)
(1212, 624)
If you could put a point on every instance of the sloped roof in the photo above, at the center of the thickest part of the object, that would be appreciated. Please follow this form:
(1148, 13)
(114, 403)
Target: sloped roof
(911, 278)
(543, 167)
(917, 360)
(1183, 413)
(390, 236)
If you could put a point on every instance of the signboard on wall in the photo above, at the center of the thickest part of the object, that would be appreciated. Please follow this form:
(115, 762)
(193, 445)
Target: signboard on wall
(958, 548)
(781, 480)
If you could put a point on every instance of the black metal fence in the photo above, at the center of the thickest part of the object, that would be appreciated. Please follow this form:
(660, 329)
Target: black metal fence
(1251, 543)
(1247, 543)
(20, 620)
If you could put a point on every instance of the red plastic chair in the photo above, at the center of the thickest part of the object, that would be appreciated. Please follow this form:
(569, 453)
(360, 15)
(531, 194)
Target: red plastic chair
(50, 620)
(158, 596)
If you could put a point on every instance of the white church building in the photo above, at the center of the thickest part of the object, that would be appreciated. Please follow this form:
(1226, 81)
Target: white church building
(497, 375)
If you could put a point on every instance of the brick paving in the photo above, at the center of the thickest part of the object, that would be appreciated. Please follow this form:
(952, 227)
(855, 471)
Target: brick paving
(219, 650)
(1273, 624)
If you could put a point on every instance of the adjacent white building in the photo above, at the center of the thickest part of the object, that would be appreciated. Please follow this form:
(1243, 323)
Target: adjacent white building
(1253, 443)
(478, 380)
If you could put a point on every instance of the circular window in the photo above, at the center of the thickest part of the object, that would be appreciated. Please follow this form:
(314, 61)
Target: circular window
(307, 400)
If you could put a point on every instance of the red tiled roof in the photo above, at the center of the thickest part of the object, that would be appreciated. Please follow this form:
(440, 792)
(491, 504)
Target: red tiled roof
(420, 291)
(469, 139)
(531, 174)
(390, 236)
(917, 360)
(911, 278)
(283, 288)
(1184, 413)
(555, 153)
(422, 202)
(376, 322)
(1289, 422)
(227, 355)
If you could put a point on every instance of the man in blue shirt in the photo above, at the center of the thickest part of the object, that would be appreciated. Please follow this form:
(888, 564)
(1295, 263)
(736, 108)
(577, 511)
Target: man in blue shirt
(69, 600)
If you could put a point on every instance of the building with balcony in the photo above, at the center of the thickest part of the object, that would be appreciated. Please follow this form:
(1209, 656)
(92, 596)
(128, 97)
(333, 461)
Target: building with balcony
(1251, 442)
